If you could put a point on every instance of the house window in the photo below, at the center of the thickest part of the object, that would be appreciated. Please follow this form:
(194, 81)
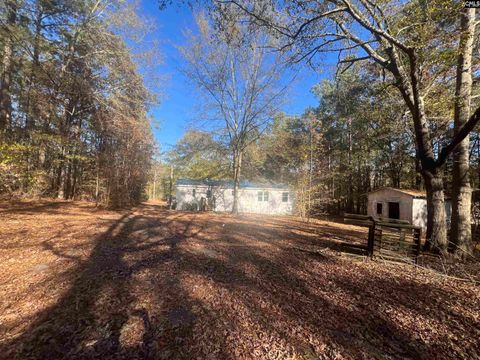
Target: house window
(379, 208)
(285, 197)
(262, 196)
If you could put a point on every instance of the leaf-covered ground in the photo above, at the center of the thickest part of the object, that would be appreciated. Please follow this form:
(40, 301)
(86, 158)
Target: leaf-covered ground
(81, 283)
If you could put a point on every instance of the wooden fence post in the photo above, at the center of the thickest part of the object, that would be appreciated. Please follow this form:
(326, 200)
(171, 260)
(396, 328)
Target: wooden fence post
(388, 236)
(371, 237)
(418, 240)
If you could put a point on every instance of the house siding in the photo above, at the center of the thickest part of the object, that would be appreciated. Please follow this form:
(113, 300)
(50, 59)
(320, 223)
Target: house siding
(384, 197)
(420, 213)
(248, 199)
(412, 209)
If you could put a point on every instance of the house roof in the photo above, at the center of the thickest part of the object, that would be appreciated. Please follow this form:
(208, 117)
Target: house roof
(229, 184)
(411, 192)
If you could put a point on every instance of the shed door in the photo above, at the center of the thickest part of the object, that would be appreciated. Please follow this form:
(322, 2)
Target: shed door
(394, 210)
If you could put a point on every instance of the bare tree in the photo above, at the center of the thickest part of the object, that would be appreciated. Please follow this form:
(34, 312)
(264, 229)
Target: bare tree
(241, 80)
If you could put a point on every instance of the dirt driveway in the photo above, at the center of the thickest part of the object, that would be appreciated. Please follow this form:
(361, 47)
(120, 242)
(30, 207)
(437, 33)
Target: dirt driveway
(81, 283)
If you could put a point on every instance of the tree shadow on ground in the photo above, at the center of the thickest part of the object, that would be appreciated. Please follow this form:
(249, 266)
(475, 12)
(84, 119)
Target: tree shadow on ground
(33, 207)
(72, 327)
(163, 285)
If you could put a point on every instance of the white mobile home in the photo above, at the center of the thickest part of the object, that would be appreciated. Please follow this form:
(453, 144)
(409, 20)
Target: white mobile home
(218, 196)
(410, 205)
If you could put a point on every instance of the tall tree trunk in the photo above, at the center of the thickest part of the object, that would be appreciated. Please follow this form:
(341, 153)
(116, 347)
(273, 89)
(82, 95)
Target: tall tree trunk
(237, 166)
(154, 194)
(432, 177)
(59, 185)
(170, 190)
(7, 67)
(75, 179)
(350, 171)
(417, 181)
(310, 172)
(461, 232)
(31, 106)
(430, 168)
(68, 180)
(436, 218)
(97, 179)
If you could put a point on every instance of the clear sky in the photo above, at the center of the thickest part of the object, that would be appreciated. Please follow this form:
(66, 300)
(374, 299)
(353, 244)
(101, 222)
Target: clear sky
(177, 108)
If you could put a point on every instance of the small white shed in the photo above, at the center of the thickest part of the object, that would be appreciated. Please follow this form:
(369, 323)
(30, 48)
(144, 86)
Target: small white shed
(218, 196)
(403, 204)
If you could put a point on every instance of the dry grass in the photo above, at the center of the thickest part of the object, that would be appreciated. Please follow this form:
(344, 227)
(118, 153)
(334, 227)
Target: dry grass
(77, 282)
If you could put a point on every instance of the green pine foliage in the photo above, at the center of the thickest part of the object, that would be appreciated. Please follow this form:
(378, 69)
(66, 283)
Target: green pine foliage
(75, 122)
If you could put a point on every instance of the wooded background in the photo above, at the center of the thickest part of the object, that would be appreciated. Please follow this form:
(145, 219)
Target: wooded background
(73, 113)
(404, 101)
(399, 111)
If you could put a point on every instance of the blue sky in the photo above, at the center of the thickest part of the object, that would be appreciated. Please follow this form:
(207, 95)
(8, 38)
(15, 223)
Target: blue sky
(177, 109)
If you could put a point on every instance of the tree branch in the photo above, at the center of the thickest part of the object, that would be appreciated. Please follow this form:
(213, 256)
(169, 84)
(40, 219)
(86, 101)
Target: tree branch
(462, 134)
(318, 17)
(368, 49)
(357, 15)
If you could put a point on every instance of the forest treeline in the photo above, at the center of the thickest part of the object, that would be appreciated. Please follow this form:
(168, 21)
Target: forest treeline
(357, 139)
(73, 105)
(400, 111)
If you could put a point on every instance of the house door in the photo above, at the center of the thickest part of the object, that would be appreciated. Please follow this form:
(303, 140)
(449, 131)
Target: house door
(394, 210)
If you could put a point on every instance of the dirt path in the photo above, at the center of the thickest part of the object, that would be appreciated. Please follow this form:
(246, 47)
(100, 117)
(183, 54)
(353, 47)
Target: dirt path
(76, 282)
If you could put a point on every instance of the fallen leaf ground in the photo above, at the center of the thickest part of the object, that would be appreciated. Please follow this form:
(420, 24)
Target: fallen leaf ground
(79, 283)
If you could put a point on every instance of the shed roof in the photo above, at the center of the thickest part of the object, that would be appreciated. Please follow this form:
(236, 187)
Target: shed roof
(229, 184)
(412, 192)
